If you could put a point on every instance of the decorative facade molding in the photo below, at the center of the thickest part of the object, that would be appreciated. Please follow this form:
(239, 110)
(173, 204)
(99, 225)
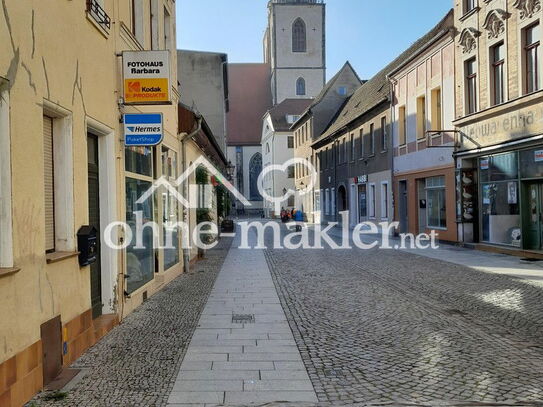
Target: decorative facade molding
(468, 39)
(527, 8)
(495, 23)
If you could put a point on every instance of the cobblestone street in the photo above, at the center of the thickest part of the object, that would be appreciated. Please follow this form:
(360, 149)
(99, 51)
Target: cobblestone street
(136, 363)
(387, 326)
(375, 327)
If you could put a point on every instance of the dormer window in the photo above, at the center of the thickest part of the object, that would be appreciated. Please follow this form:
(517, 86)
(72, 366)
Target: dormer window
(292, 118)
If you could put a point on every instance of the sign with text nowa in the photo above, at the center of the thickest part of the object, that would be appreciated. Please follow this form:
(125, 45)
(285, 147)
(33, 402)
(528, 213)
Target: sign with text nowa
(146, 76)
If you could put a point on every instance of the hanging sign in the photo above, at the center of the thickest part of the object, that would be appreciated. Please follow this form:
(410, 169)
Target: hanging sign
(143, 129)
(146, 77)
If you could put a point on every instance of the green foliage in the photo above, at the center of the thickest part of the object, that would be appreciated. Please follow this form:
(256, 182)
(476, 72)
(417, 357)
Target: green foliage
(202, 177)
(223, 202)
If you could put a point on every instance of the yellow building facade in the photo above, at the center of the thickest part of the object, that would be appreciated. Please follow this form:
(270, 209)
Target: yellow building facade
(63, 165)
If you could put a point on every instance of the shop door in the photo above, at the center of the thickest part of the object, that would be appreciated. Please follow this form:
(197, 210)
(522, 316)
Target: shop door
(403, 206)
(353, 205)
(532, 216)
(94, 220)
(362, 203)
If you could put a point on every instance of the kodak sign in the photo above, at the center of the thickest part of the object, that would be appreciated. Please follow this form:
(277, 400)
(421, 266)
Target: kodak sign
(146, 77)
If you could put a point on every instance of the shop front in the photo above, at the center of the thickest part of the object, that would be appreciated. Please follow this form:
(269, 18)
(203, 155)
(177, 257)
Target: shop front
(424, 203)
(500, 181)
(511, 198)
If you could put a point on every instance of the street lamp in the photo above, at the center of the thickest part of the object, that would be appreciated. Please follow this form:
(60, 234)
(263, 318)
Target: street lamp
(230, 171)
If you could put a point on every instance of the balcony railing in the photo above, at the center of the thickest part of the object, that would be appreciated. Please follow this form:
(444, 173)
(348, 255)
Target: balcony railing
(99, 14)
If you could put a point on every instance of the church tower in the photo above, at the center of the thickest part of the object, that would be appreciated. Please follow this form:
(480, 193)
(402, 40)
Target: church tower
(295, 48)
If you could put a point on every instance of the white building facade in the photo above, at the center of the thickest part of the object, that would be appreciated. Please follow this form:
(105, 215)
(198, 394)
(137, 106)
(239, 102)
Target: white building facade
(277, 149)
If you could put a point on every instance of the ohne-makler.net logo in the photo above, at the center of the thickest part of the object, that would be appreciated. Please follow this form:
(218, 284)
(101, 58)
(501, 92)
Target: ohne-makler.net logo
(258, 234)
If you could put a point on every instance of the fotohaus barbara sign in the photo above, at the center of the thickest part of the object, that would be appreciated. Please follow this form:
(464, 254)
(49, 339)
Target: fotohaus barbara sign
(146, 77)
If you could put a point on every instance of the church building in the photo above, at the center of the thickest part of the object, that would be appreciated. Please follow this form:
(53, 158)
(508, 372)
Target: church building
(294, 67)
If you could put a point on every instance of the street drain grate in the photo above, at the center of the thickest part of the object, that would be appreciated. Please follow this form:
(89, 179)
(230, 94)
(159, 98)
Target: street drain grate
(243, 318)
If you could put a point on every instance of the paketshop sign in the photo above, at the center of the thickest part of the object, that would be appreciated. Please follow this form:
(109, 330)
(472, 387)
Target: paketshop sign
(146, 77)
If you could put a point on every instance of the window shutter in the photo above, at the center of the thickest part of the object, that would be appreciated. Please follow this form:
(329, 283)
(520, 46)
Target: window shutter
(49, 182)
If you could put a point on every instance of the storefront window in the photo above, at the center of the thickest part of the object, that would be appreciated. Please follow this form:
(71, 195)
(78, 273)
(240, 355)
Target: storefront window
(500, 207)
(436, 202)
(500, 167)
(139, 262)
(169, 163)
(139, 160)
(531, 163)
(171, 216)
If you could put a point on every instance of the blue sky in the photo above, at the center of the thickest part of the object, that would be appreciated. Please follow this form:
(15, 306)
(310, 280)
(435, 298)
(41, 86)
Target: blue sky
(368, 33)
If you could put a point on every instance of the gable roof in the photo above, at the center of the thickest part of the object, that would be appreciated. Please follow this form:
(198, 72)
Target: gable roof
(329, 85)
(377, 89)
(250, 98)
(279, 113)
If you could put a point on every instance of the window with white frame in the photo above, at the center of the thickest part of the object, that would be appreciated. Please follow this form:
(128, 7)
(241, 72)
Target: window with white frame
(6, 235)
(402, 126)
(469, 5)
(470, 78)
(532, 57)
(137, 21)
(327, 202)
(170, 208)
(421, 117)
(333, 202)
(384, 134)
(384, 200)
(497, 55)
(291, 171)
(58, 165)
(372, 139)
(436, 207)
(371, 208)
(437, 111)
(290, 142)
(317, 201)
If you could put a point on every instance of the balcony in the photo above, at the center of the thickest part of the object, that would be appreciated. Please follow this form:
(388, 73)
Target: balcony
(95, 10)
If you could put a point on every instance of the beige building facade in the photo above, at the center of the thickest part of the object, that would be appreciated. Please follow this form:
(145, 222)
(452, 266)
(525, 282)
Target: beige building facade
(423, 168)
(62, 166)
(500, 122)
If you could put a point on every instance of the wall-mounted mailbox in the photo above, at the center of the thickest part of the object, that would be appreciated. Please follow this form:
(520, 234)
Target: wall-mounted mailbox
(87, 245)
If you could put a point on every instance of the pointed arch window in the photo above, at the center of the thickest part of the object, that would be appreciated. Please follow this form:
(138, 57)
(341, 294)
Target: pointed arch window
(300, 87)
(299, 37)
(255, 168)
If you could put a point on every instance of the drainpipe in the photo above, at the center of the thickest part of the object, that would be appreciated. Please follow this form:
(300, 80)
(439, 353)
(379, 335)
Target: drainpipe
(185, 137)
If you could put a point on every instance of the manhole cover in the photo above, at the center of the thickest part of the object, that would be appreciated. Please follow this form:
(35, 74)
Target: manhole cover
(243, 318)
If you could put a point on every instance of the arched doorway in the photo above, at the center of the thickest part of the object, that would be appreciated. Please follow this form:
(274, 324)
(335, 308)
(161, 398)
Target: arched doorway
(255, 168)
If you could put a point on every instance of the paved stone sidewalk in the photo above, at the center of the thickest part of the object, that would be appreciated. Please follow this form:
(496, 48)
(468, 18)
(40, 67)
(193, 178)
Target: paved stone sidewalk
(248, 362)
(137, 362)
